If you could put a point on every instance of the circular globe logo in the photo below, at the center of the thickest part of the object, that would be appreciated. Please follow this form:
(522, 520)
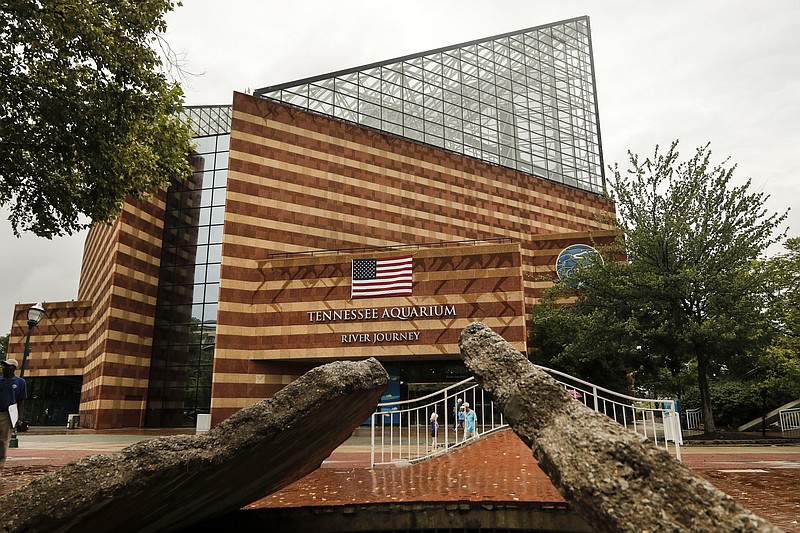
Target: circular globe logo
(575, 256)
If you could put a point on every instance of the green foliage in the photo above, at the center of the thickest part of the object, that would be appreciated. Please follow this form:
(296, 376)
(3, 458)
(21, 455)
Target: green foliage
(4, 346)
(779, 373)
(663, 382)
(593, 338)
(780, 364)
(784, 272)
(88, 117)
(736, 401)
(692, 294)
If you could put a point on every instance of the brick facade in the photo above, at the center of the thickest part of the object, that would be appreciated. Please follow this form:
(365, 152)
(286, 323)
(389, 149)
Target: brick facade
(301, 182)
(58, 342)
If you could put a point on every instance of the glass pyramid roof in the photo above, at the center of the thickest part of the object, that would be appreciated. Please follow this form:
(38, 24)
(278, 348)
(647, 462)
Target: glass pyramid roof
(207, 120)
(524, 100)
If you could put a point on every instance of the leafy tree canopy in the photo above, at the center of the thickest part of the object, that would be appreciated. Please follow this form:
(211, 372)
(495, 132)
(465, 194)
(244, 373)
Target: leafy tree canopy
(779, 367)
(785, 271)
(87, 115)
(692, 293)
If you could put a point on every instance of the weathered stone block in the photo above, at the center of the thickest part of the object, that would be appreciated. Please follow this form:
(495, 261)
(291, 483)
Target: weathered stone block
(608, 474)
(169, 483)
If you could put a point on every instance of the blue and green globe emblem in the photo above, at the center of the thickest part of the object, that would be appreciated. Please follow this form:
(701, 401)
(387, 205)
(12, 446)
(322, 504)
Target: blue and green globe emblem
(575, 256)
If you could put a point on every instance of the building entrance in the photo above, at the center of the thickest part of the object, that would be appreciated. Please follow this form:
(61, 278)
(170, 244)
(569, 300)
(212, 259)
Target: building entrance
(52, 399)
(418, 379)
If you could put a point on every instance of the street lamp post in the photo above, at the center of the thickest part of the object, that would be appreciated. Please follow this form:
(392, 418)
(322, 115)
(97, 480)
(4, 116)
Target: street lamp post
(35, 314)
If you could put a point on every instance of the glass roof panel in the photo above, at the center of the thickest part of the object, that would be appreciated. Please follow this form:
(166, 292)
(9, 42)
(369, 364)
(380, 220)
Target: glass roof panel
(207, 120)
(495, 95)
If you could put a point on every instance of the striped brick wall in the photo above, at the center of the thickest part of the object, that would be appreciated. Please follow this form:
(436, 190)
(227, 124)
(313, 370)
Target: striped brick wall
(542, 251)
(58, 342)
(301, 181)
(120, 277)
(288, 314)
(106, 336)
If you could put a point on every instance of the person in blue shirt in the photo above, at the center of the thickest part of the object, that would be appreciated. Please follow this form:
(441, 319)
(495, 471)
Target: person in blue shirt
(469, 422)
(13, 391)
(457, 409)
(434, 430)
(460, 419)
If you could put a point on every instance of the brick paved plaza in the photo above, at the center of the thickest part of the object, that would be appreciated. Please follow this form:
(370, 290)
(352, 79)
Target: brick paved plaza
(495, 472)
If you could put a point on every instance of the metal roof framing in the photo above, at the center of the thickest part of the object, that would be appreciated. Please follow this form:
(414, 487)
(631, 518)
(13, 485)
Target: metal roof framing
(526, 100)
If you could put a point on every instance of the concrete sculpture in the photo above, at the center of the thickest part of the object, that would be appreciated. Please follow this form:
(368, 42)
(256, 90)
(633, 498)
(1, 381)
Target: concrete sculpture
(608, 474)
(170, 483)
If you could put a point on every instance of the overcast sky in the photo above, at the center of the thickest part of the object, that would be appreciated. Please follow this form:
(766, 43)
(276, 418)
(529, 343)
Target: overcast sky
(727, 72)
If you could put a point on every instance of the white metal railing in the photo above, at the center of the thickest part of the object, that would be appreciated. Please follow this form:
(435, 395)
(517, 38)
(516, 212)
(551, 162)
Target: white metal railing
(694, 419)
(401, 430)
(790, 420)
(655, 419)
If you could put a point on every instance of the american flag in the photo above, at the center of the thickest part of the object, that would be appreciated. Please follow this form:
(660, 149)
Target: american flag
(381, 277)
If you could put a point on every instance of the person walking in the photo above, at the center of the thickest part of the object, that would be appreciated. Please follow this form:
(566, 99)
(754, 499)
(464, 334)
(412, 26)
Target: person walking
(460, 420)
(13, 394)
(469, 422)
(434, 429)
(456, 410)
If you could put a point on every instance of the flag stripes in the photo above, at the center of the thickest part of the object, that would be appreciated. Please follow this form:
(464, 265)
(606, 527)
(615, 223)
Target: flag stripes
(382, 277)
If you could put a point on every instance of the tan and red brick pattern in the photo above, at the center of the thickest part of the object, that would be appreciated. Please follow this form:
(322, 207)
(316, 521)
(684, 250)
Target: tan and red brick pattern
(301, 182)
(117, 363)
(106, 336)
(58, 342)
(281, 312)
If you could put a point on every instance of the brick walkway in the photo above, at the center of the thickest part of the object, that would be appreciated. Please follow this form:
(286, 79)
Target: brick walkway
(498, 468)
(495, 469)
(766, 480)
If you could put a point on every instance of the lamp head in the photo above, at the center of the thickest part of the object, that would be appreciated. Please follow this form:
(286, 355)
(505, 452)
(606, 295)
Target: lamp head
(35, 314)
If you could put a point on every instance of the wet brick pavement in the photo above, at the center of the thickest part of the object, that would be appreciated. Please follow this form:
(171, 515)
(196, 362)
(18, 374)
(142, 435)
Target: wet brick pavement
(498, 468)
(766, 480)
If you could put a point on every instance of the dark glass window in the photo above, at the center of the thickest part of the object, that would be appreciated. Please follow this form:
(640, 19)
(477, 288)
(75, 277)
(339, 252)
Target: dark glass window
(186, 311)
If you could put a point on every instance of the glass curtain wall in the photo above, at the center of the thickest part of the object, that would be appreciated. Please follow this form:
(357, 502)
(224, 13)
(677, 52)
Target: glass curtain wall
(186, 312)
(524, 100)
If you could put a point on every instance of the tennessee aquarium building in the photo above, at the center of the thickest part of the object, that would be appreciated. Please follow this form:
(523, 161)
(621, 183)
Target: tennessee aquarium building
(370, 212)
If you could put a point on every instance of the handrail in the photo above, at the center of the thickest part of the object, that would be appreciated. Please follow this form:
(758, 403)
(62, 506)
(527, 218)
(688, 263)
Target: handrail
(431, 395)
(598, 388)
(401, 430)
(790, 419)
(694, 418)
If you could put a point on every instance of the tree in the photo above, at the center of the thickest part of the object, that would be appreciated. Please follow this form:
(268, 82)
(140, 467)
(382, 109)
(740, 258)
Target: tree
(692, 293)
(780, 364)
(4, 346)
(785, 271)
(596, 336)
(606, 334)
(87, 116)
